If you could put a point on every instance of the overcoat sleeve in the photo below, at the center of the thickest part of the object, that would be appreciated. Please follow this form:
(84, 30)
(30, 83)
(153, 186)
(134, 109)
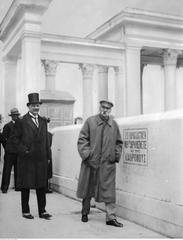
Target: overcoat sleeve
(49, 143)
(84, 141)
(119, 144)
(6, 131)
(2, 140)
(16, 138)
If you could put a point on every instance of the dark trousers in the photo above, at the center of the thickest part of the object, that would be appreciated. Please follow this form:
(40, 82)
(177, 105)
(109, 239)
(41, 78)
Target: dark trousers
(41, 200)
(10, 160)
(86, 206)
(86, 201)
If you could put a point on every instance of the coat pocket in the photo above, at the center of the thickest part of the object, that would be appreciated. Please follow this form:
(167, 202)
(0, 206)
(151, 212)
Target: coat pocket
(93, 160)
(111, 159)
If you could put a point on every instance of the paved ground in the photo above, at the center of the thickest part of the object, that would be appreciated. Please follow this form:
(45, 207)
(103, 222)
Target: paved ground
(65, 222)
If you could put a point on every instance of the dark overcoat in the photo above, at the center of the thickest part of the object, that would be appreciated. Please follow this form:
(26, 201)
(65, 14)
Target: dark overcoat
(2, 140)
(8, 132)
(33, 152)
(50, 168)
(100, 147)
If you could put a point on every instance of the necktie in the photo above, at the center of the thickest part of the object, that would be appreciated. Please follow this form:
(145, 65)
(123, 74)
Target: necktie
(36, 120)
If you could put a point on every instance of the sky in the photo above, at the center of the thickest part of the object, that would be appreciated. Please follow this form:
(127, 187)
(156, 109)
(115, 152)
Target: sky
(81, 17)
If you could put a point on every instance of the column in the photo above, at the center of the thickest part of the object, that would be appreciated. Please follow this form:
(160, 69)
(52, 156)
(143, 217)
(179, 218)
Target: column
(31, 48)
(133, 86)
(2, 80)
(50, 73)
(9, 91)
(20, 88)
(87, 72)
(119, 92)
(141, 86)
(170, 62)
(102, 82)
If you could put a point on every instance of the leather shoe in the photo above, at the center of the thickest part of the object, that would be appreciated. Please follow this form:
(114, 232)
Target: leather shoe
(4, 191)
(27, 215)
(49, 191)
(45, 215)
(84, 218)
(114, 223)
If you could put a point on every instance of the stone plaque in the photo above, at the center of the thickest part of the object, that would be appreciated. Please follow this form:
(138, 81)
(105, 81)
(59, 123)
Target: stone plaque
(58, 106)
(135, 146)
(59, 114)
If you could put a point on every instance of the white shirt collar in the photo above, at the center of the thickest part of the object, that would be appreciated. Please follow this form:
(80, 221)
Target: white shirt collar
(32, 115)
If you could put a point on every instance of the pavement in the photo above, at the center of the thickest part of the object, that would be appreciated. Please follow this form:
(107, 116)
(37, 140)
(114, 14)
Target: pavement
(65, 222)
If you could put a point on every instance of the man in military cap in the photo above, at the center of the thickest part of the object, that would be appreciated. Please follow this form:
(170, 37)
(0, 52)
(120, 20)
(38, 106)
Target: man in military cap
(33, 156)
(10, 156)
(100, 146)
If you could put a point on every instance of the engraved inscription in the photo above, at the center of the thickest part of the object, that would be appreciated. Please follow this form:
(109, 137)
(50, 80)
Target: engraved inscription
(135, 146)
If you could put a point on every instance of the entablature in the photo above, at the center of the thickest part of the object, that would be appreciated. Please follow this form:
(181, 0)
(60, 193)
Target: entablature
(79, 50)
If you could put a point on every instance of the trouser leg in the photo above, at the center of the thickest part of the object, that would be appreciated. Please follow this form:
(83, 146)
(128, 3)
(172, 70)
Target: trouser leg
(110, 211)
(25, 193)
(15, 172)
(8, 163)
(41, 199)
(85, 206)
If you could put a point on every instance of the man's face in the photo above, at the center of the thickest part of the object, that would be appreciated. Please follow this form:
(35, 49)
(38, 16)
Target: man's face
(34, 108)
(14, 117)
(105, 109)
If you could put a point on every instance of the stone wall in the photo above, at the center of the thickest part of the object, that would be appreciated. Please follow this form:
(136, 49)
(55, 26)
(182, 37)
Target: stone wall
(149, 176)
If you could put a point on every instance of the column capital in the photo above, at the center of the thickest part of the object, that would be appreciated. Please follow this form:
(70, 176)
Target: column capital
(87, 69)
(118, 70)
(50, 67)
(170, 56)
(102, 68)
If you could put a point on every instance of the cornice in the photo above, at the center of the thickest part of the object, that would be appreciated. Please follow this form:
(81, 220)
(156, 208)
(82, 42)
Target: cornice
(16, 11)
(79, 50)
(138, 16)
(60, 39)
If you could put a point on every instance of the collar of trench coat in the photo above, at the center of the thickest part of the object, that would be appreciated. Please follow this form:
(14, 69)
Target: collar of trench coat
(100, 121)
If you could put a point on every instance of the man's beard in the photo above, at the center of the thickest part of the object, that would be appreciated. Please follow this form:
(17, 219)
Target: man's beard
(104, 117)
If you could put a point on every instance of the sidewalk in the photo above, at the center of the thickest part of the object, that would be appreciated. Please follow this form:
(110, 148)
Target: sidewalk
(65, 222)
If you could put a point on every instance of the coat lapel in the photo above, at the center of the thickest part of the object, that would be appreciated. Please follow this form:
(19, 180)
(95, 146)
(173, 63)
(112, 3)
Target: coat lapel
(40, 124)
(30, 122)
(100, 121)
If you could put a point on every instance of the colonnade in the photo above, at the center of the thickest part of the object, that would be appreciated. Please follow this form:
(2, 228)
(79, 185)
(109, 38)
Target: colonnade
(128, 87)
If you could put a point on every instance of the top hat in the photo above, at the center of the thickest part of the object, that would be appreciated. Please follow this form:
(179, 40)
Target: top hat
(106, 101)
(14, 111)
(33, 99)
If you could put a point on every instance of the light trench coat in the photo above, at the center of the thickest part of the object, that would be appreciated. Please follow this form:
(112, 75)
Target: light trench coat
(100, 147)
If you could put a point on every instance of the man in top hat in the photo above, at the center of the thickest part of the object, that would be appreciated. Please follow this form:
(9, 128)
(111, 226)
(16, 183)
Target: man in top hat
(33, 156)
(100, 147)
(10, 156)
